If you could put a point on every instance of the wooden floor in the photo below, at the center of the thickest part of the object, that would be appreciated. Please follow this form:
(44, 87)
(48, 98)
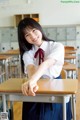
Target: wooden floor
(17, 110)
(17, 107)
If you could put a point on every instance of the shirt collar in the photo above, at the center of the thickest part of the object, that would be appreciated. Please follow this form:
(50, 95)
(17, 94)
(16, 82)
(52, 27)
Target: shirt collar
(43, 46)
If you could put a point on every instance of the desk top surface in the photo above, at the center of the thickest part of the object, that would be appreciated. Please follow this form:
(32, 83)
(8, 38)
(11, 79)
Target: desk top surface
(46, 86)
(69, 66)
(10, 52)
(70, 52)
(70, 57)
(4, 57)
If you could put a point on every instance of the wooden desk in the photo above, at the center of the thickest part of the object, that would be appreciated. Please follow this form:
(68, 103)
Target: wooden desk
(71, 48)
(5, 60)
(70, 52)
(70, 67)
(53, 91)
(70, 57)
(10, 52)
(15, 54)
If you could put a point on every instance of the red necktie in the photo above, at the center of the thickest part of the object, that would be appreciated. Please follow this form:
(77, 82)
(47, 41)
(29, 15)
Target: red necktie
(39, 53)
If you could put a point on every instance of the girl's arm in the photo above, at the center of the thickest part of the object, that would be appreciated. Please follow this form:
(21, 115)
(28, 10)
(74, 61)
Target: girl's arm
(41, 69)
(30, 87)
(31, 69)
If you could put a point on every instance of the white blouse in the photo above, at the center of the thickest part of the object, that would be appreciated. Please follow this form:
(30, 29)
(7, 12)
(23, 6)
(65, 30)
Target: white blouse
(53, 50)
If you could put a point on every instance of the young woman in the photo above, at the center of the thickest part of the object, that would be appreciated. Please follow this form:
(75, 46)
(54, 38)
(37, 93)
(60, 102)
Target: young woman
(40, 57)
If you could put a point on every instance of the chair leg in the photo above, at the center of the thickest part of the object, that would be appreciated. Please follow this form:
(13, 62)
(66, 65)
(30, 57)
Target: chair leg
(73, 102)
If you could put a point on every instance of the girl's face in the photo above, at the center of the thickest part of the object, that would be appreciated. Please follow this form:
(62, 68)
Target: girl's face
(33, 36)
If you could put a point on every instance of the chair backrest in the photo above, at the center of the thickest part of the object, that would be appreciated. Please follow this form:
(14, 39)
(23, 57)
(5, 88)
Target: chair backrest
(69, 48)
(63, 74)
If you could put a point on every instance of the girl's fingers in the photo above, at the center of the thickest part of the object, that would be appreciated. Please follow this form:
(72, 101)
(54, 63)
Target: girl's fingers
(32, 89)
(29, 88)
(25, 89)
(36, 88)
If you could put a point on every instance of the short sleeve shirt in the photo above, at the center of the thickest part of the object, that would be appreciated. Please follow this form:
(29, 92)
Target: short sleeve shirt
(52, 50)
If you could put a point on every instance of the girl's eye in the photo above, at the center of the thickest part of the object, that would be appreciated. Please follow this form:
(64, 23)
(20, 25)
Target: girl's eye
(26, 35)
(34, 30)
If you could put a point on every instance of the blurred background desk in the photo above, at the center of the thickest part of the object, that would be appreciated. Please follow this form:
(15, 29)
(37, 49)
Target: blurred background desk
(15, 64)
(5, 60)
(69, 67)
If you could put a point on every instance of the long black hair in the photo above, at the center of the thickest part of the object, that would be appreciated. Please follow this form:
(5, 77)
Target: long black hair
(23, 44)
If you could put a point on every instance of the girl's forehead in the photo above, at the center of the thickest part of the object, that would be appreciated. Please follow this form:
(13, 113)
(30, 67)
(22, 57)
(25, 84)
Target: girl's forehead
(27, 29)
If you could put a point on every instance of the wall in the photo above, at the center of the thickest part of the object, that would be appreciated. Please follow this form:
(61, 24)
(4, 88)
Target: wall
(52, 12)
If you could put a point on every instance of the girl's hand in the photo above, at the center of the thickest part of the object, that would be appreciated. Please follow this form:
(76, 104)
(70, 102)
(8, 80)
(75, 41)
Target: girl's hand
(29, 88)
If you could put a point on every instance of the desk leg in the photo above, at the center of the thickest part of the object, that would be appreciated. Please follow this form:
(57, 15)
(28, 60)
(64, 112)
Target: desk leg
(74, 107)
(6, 68)
(5, 62)
(64, 108)
(4, 102)
(73, 75)
(20, 66)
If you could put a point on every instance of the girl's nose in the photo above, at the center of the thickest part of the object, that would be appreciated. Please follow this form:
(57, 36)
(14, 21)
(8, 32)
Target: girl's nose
(33, 35)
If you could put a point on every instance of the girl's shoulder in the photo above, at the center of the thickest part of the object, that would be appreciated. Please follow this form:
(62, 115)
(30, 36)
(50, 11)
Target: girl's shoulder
(54, 44)
(29, 53)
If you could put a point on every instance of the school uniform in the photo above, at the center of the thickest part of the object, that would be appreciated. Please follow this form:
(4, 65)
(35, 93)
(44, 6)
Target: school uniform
(46, 111)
